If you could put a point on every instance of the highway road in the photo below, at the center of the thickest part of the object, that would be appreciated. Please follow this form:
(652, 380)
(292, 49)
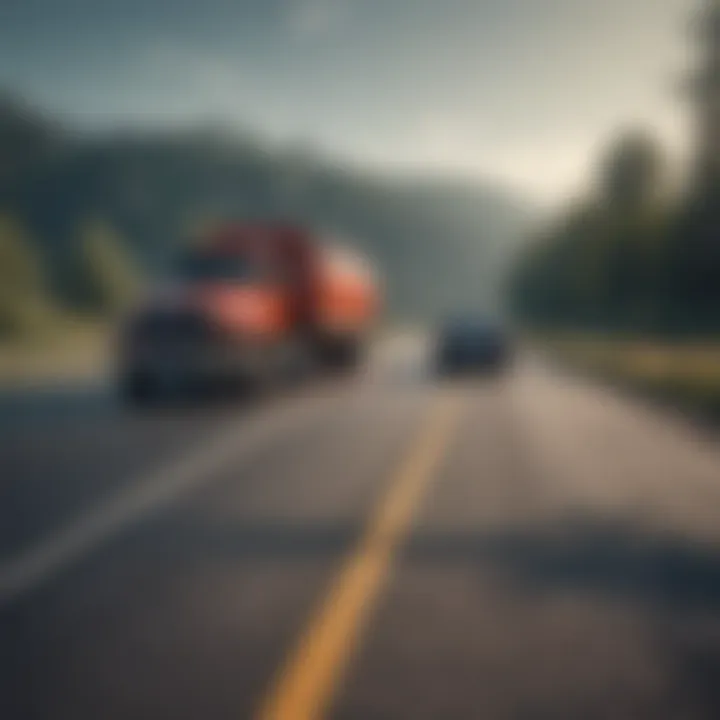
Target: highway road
(384, 547)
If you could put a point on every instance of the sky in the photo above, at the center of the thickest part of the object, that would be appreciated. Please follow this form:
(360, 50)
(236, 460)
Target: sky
(524, 91)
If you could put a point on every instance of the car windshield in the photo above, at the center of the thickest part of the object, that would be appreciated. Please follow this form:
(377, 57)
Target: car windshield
(216, 267)
(463, 328)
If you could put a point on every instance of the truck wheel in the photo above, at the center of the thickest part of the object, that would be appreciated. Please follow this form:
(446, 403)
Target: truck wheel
(351, 356)
(138, 389)
(342, 356)
(296, 364)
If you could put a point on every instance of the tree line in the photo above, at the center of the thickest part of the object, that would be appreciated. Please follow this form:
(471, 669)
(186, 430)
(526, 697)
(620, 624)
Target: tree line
(634, 256)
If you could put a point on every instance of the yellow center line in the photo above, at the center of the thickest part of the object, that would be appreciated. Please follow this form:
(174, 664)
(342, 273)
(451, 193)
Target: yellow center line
(308, 681)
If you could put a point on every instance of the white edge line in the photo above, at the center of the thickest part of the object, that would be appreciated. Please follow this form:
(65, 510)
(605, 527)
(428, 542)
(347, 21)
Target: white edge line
(143, 496)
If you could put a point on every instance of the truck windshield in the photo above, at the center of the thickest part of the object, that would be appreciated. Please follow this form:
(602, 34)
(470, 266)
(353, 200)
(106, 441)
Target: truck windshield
(231, 268)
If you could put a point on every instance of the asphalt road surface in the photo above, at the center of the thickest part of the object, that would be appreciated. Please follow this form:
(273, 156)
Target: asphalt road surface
(387, 547)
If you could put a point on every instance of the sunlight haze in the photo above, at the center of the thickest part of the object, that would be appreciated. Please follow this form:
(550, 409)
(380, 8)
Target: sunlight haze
(517, 90)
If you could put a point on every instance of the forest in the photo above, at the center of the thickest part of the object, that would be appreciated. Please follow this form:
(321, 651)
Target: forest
(633, 257)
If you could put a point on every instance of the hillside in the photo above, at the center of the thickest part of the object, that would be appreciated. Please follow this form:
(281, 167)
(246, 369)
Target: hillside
(441, 244)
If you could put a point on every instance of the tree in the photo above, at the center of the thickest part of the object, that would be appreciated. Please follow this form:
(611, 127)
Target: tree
(631, 174)
(105, 277)
(604, 262)
(24, 306)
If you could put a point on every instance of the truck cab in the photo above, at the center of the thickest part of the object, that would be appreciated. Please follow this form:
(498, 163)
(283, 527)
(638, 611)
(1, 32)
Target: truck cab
(248, 305)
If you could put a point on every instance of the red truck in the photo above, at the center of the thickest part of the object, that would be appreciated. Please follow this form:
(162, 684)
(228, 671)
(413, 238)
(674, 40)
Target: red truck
(252, 304)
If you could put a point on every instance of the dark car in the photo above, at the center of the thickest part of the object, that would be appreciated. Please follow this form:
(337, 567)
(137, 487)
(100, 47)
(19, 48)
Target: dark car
(468, 345)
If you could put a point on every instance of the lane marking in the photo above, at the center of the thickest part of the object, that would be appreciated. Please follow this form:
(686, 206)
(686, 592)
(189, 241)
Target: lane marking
(308, 681)
(147, 494)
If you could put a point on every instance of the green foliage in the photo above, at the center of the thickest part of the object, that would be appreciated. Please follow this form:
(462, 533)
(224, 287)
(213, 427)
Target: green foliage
(24, 309)
(626, 261)
(105, 276)
(631, 173)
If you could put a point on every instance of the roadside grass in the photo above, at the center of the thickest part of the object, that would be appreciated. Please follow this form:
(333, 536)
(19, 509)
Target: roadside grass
(685, 374)
(74, 349)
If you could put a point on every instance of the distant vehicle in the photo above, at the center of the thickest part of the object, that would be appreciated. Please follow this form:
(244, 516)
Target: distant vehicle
(470, 344)
(253, 304)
